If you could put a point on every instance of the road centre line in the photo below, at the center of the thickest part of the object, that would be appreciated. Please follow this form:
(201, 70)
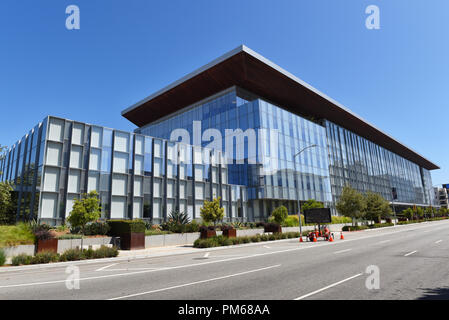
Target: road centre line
(194, 283)
(315, 245)
(410, 253)
(438, 241)
(105, 267)
(328, 287)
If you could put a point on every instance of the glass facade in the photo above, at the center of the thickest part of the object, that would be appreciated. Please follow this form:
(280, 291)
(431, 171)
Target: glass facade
(305, 177)
(149, 173)
(368, 167)
(339, 158)
(136, 176)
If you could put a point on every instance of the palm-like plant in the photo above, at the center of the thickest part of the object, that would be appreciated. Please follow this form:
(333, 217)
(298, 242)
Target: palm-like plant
(179, 217)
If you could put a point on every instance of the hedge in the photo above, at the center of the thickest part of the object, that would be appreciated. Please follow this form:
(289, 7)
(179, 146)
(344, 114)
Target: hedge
(380, 225)
(119, 227)
(68, 255)
(224, 241)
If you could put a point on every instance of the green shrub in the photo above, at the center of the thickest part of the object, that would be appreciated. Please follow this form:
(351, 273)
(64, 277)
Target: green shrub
(119, 227)
(156, 232)
(16, 235)
(280, 214)
(203, 243)
(2, 257)
(70, 236)
(174, 227)
(72, 255)
(245, 239)
(43, 235)
(340, 219)
(97, 228)
(105, 252)
(88, 253)
(227, 242)
(45, 257)
(21, 259)
(223, 241)
(179, 217)
(291, 221)
(380, 225)
(236, 240)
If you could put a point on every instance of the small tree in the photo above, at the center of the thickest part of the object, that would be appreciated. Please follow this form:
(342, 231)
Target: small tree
(311, 204)
(442, 212)
(211, 211)
(408, 213)
(376, 207)
(85, 210)
(280, 214)
(419, 212)
(429, 212)
(351, 203)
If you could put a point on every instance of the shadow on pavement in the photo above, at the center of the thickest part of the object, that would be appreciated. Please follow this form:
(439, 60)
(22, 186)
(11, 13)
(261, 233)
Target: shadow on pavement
(435, 294)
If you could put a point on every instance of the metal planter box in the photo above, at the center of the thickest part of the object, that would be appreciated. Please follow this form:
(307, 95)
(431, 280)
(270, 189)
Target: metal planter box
(208, 234)
(47, 245)
(132, 241)
(230, 233)
(274, 229)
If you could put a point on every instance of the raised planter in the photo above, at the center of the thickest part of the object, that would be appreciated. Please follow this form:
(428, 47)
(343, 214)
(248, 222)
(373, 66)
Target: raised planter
(272, 228)
(47, 245)
(131, 233)
(230, 233)
(208, 234)
(132, 241)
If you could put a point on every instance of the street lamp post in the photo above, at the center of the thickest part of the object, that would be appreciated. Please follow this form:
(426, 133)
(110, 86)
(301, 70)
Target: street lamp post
(297, 179)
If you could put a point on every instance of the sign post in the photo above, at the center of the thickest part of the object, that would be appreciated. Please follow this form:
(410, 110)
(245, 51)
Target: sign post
(395, 196)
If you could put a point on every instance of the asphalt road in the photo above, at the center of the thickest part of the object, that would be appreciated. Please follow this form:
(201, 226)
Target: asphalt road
(412, 263)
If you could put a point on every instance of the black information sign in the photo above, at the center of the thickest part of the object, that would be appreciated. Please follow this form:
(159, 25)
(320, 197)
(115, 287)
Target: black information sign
(317, 215)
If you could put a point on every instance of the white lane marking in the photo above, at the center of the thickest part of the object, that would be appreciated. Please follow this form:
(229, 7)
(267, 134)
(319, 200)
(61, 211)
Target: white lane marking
(328, 287)
(267, 247)
(194, 283)
(410, 253)
(105, 267)
(218, 261)
(130, 269)
(206, 254)
(438, 241)
(384, 241)
(341, 251)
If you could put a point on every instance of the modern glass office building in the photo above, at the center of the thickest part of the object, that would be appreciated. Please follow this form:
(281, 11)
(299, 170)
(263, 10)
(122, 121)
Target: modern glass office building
(136, 176)
(211, 134)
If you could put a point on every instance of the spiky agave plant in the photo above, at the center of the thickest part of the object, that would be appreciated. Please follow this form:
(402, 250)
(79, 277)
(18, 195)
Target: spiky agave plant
(179, 217)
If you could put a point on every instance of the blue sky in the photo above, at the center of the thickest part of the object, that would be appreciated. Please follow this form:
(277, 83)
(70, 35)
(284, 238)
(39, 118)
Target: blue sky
(395, 77)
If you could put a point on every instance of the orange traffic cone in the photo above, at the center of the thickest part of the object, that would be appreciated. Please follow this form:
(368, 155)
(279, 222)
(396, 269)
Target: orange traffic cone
(341, 236)
(300, 239)
(314, 238)
(331, 239)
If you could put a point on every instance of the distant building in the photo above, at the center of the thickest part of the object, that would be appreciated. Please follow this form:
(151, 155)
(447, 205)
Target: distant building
(442, 196)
